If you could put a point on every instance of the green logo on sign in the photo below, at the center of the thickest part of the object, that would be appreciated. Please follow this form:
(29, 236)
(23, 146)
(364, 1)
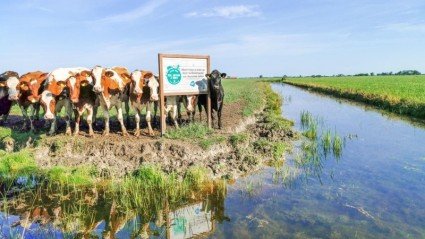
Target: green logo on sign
(174, 75)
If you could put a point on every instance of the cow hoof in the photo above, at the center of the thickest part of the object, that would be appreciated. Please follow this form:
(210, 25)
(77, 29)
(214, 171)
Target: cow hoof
(76, 133)
(151, 133)
(125, 133)
(137, 133)
(68, 133)
(105, 133)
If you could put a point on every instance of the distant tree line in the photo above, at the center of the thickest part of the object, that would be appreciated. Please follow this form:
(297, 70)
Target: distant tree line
(404, 72)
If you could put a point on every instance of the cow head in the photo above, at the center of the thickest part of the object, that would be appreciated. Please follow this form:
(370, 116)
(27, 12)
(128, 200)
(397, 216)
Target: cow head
(9, 81)
(48, 103)
(29, 85)
(97, 74)
(191, 101)
(215, 79)
(12, 88)
(56, 87)
(137, 82)
(153, 84)
(75, 83)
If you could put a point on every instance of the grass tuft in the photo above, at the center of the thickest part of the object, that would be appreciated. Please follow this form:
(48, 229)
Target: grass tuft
(190, 131)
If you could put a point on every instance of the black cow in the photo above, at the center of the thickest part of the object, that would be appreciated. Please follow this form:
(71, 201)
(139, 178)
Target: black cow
(217, 96)
(8, 93)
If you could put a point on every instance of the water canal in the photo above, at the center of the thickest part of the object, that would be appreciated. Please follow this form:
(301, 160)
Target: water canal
(375, 190)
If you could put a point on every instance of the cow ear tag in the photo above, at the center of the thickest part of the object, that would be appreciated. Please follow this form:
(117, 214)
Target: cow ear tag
(84, 84)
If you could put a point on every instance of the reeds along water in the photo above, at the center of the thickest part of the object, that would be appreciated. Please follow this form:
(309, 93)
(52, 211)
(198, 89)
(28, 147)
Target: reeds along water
(318, 145)
(143, 200)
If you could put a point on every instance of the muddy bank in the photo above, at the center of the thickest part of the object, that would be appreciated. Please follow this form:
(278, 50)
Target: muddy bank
(117, 156)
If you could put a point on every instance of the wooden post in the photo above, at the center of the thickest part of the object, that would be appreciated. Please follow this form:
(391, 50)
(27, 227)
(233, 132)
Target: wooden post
(161, 97)
(209, 95)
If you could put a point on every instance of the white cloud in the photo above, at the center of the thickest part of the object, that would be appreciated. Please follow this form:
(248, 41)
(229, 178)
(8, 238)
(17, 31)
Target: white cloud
(404, 27)
(228, 12)
(134, 14)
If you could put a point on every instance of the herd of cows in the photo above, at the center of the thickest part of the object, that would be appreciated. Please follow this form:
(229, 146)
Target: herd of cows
(84, 90)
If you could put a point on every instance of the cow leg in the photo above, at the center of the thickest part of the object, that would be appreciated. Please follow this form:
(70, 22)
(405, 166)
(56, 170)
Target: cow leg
(127, 112)
(68, 116)
(219, 118)
(90, 111)
(155, 110)
(106, 118)
(31, 116)
(78, 114)
(137, 117)
(96, 106)
(37, 111)
(179, 111)
(200, 112)
(212, 118)
(121, 120)
(53, 126)
(25, 115)
(148, 119)
(174, 116)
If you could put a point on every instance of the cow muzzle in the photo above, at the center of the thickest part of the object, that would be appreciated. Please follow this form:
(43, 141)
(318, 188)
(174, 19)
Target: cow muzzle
(13, 97)
(154, 97)
(74, 100)
(97, 89)
(49, 116)
(190, 108)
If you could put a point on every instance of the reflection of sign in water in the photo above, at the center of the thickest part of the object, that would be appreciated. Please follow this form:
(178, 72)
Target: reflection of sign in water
(190, 221)
(184, 75)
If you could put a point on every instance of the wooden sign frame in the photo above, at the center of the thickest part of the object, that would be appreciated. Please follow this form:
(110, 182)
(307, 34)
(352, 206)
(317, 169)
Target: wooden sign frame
(162, 95)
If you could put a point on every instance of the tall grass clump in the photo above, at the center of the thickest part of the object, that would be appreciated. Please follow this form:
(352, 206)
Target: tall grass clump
(326, 140)
(206, 143)
(16, 164)
(337, 145)
(306, 119)
(78, 176)
(190, 131)
(236, 139)
(272, 110)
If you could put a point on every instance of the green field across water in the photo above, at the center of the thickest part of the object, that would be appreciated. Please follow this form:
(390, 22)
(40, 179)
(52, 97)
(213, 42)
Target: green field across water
(399, 94)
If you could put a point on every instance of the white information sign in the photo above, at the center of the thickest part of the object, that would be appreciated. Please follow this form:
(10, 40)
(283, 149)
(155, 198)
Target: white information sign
(184, 75)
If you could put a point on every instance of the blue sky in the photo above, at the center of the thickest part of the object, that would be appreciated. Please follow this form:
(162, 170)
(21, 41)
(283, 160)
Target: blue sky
(244, 38)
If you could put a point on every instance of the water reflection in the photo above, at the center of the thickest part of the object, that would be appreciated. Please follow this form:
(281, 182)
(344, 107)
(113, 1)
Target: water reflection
(98, 214)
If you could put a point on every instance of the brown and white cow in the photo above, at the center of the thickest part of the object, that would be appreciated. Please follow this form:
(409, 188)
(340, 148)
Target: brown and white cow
(8, 93)
(83, 98)
(56, 96)
(29, 87)
(143, 92)
(190, 102)
(109, 84)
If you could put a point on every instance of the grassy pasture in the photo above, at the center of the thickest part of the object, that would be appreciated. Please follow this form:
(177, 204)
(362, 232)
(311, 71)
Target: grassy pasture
(398, 94)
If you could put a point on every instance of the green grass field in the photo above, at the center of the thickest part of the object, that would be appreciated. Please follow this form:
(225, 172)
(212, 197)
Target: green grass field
(399, 94)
